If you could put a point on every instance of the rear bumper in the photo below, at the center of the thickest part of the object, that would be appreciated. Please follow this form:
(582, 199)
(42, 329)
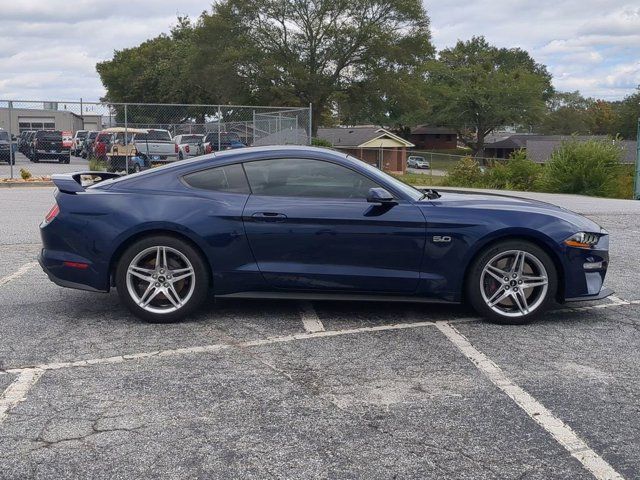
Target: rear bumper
(52, 263)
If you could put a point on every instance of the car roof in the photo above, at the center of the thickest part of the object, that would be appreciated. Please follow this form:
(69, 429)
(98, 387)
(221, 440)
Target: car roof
(246, 154)
(123, 130)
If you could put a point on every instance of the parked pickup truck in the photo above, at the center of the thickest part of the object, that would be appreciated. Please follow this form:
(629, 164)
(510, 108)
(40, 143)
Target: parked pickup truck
(157, 145)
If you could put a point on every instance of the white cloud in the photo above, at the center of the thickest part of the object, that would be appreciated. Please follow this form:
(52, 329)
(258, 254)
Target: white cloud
(49, 48)
(588, 45)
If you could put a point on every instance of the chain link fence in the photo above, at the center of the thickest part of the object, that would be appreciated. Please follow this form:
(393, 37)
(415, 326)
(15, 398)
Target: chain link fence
(50, 137)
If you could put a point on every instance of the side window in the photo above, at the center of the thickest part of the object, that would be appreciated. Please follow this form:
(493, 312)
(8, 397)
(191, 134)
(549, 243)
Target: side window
(229, 178)
(290, 177)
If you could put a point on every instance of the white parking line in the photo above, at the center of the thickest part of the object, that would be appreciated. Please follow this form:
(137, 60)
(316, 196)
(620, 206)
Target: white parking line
(17, 391)
(310, 320)
(617, 300)
(562, 433)
(215, 347)
(18, 273)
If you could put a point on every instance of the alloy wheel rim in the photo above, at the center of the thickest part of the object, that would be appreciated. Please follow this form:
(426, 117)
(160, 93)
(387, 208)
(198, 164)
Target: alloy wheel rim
(160, 279)
(514, 283)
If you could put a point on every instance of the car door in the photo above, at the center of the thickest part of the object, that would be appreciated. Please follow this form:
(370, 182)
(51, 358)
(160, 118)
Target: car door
(310, 227)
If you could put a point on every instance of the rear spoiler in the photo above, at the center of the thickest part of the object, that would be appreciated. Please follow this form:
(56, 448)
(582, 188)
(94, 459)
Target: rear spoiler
(78, 181)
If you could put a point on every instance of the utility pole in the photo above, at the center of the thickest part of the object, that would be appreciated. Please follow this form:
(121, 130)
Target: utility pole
(636, 182)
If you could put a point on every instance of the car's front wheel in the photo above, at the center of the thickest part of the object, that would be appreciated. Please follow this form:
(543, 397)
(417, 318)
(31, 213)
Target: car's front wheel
(162, 279)
(512, 282)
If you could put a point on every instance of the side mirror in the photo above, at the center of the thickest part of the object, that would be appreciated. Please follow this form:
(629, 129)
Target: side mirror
(381, 196)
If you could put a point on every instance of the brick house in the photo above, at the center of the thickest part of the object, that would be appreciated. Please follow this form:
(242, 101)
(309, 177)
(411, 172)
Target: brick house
(434, 138)
(374, 145)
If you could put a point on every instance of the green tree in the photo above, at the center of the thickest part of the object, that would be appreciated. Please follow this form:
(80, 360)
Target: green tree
(602, 117)
(568, 113)
(313, 51)
(626, 114)
(475, 87)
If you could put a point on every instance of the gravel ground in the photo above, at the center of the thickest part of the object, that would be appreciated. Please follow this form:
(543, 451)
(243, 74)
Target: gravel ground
(244, 391)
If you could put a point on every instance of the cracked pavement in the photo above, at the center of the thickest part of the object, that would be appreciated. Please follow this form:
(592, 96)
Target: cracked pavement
(396, 403)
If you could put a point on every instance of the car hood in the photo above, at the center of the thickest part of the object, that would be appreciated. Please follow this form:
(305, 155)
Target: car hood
(488, 201)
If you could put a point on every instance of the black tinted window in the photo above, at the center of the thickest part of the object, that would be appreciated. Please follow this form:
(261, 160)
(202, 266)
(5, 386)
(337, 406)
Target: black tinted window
(49, 136)
(154, 135)
(4, 135)
(230, 178)
(306, 178)
(190, 138)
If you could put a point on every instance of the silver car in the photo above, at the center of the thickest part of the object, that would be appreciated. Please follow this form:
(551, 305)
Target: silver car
(416, 161)
(188, 144)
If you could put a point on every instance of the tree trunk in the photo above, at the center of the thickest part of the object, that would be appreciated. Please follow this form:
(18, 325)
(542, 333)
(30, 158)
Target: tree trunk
(478, 151)
(316, 115)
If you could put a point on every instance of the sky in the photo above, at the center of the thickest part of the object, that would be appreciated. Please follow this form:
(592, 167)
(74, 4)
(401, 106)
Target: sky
(49, 48)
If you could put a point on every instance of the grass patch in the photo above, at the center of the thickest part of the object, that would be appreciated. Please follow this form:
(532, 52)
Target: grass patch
(420, 180)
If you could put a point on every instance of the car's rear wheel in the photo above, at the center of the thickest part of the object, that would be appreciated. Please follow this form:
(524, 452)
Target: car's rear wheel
(512, 282)
(162, 279)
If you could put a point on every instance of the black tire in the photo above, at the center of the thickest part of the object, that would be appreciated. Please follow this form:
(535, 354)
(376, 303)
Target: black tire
(201, 278)
(35, 158)
(473, 285)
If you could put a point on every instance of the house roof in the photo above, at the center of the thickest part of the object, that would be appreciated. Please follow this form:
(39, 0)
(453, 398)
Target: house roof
(360, 136)
(540, 149)
(429, 130)
(516, 141)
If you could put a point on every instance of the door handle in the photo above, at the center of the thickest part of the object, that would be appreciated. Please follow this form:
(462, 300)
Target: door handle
(269, 217)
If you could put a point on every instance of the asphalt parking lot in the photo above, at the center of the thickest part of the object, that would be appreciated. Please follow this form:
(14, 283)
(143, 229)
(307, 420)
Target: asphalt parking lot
(42, 168)
(260, 389)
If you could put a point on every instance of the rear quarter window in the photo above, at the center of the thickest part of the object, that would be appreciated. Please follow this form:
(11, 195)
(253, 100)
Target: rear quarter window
(230, 178)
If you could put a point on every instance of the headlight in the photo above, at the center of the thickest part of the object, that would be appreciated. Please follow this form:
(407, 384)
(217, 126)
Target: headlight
(583, 240)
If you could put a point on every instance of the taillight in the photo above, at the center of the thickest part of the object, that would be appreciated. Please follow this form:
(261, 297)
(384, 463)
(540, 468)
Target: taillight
(177, 149)
(207, 149)
(186, 148)
(53, 213)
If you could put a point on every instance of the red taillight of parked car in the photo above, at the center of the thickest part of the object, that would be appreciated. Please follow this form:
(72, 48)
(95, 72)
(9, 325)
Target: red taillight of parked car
(177, 148)
(53, 213)
(186, 148)
(207, 149)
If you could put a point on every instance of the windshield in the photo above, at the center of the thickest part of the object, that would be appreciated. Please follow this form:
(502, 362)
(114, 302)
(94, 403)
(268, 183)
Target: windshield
(4, 135)
(49, 136)
(408, 190)
(81, 134)
(191, 138)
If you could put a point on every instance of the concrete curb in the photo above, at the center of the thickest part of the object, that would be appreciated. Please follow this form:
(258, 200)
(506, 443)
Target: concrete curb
(44, 183)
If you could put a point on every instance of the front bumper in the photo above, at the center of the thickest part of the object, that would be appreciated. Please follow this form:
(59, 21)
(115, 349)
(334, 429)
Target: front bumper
(604, 293)
(584, 273)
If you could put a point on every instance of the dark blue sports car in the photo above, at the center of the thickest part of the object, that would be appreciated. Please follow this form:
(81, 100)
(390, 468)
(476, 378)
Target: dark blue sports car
(310, 223)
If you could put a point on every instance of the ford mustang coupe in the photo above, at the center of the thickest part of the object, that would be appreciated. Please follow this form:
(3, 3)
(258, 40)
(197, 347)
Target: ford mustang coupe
(311, 223)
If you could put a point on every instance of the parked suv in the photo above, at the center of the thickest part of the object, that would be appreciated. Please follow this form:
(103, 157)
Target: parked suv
(6, 147)
(227, 141)
(78, 140)
(87, 144)
(25, 141)
(48, 145)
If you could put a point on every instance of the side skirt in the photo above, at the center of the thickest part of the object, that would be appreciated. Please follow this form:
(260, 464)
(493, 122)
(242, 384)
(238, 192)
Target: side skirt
(333, 296)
